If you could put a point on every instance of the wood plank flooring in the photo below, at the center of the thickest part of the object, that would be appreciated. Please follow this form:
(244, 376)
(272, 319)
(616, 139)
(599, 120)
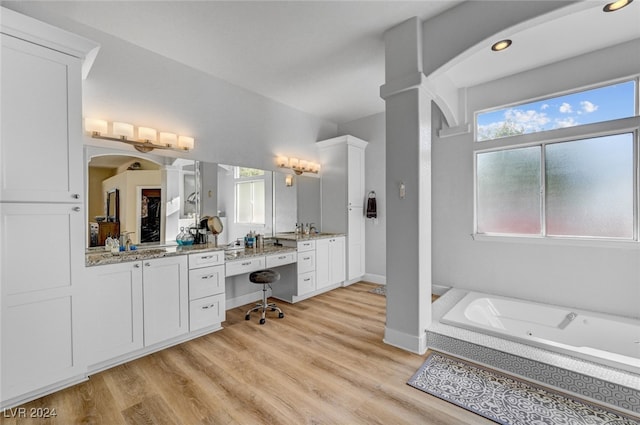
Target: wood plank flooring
(324, 363)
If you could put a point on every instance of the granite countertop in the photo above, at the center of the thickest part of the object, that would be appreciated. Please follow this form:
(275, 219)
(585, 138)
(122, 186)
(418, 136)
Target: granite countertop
(239, 254)
(98, 257)
(293, 237)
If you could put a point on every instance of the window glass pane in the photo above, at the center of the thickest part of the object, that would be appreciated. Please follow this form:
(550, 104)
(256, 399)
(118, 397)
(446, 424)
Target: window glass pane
(586, 107)
(258, 202)
(508, 197)
(243, 202)
(590, 187)
(248, 172)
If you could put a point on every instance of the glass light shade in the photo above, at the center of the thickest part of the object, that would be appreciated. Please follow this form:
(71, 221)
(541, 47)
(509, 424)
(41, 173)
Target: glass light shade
(293, 162)
(304, 165)
(93, 125)
(282, 161)
(186, 142)
(123, 130)
(313, 167)
(169, 139)
(148, 134)
(288, 180)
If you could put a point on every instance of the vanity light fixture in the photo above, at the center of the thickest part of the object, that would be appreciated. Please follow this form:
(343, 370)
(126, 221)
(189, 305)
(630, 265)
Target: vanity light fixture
(501, 45)
(146, 141)
(616, 5)
(298, 166)
(288, 180)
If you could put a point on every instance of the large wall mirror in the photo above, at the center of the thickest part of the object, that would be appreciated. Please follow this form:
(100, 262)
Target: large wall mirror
(157, 195)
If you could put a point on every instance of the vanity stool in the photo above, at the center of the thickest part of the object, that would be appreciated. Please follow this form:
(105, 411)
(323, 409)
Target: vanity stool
(264, 278)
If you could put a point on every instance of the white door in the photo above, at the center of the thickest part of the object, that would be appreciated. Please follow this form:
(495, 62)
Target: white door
(39, 295)
(166, 298)
(40, 136)
(322, 264)
(112, 311)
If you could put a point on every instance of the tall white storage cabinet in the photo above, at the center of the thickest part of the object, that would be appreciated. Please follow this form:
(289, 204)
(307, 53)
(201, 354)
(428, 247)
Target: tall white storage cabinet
(343, 197)
(41, 205)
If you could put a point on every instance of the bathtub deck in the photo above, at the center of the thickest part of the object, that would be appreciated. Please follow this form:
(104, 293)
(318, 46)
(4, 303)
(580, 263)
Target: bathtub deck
(602, 384)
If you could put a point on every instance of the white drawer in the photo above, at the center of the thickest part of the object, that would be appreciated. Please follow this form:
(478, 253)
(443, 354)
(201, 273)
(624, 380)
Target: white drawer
(306, 262)
(206, 259)
(306, 245)
(306, 283)
(247, 265)
(276, 260)
(206, 281)
(206, 312)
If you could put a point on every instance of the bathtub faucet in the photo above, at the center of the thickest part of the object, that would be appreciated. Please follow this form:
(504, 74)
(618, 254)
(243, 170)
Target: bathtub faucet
(568, 319)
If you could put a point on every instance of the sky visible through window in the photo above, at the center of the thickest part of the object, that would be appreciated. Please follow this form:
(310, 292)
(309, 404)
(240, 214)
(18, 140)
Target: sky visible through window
(586, 107)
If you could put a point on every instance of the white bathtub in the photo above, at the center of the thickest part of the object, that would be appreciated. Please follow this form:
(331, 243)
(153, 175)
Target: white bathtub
(610, 340)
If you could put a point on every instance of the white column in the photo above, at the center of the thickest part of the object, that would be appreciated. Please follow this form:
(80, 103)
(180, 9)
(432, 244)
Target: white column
(408, 186)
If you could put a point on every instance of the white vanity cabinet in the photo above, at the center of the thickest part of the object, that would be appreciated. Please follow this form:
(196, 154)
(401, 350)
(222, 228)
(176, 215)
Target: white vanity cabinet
(40, 205)
(330, 261)
(306, 267)
(165, 298)
(206, 290)
(343, 197)
(112, 311)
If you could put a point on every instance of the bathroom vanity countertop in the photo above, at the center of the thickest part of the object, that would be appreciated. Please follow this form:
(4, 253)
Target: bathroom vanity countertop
(99, 257)
(294, 237)
(239, 254)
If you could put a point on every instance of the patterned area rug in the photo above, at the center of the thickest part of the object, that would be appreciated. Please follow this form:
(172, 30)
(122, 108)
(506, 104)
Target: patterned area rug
(380, 290)
(505, 399)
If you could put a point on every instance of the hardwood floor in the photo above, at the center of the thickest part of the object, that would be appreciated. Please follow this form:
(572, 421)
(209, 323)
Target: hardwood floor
(324, 363)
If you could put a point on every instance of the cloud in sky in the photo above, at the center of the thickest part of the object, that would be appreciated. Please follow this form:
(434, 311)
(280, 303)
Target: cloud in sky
(588, 107)
(529, 120)
(565, 108)
(544, 106)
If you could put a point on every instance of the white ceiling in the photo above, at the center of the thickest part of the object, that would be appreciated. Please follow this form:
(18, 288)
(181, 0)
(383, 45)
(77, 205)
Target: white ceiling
(322, 57)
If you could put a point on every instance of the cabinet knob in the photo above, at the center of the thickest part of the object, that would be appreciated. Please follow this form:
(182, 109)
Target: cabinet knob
(76, 209)
(147, 264)
(209, 276)
(206, 257)
(76, 196)
(207, 307)
(136, 266)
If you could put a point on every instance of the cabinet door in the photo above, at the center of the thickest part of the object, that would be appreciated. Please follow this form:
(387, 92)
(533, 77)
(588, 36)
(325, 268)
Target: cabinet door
(322, 263)
(166, 298)
(38, 295)
(112, 311)
(355, 177)
(337, 260)
(40, 136)
(356, 247)
(330, 264)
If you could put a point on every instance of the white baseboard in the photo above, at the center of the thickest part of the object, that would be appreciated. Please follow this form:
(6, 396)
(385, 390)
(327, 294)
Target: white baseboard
(412, 343)
(375, 278)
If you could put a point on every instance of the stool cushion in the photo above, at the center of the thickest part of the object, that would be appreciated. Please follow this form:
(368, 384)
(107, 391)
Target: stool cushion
(264, 276)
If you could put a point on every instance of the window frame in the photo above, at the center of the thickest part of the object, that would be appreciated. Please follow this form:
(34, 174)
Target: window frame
(568, 134)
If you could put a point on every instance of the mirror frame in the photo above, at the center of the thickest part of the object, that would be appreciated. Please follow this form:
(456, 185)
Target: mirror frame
(115, 193)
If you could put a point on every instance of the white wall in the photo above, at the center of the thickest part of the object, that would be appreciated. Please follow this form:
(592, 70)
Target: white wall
(231, 125)
(582, 275)
(372, 129)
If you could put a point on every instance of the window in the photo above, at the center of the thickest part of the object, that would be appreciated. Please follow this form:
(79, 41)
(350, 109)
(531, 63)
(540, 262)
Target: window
(582, 184)
(585, 107)
(249, 195)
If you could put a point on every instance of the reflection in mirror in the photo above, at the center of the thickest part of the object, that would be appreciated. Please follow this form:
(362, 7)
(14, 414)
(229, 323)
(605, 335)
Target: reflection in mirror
(245, 202)
(156, 196)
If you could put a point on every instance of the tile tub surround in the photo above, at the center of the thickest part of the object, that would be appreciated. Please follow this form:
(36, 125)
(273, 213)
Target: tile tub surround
(98, 256)
(598, 383)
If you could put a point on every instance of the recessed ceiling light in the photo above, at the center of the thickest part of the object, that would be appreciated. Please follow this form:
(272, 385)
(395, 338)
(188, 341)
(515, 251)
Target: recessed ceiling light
(501, 45)
(616, 5)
